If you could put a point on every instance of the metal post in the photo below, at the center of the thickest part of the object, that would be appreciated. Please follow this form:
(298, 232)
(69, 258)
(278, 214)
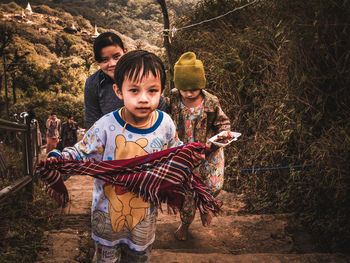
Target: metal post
(29, 157)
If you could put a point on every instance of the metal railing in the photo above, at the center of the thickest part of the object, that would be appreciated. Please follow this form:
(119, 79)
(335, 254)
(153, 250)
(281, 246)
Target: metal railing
(23, 138)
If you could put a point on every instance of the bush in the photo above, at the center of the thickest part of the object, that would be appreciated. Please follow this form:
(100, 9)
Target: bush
(280, 72)
(23, 225)
(44, 9)
(11, 7)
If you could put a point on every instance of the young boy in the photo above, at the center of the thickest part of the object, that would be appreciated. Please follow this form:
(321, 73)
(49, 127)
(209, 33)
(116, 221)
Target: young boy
(123, 225)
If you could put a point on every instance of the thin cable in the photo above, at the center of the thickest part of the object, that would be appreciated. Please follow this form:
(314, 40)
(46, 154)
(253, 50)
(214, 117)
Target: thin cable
(207, 20)
(277, 168)
(229, 12)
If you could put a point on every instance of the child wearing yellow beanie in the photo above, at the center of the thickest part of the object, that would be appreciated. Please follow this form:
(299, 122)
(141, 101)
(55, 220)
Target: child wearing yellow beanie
(198, 116)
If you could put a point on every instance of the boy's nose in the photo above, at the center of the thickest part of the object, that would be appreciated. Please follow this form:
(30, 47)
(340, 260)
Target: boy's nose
(143, 97)
(112, 62)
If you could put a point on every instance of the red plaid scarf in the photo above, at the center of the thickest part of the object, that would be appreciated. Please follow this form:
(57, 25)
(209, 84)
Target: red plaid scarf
(160, 177)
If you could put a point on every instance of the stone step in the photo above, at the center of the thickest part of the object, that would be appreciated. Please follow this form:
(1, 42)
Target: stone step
(162, 256)
(232, 234)
(80, 194)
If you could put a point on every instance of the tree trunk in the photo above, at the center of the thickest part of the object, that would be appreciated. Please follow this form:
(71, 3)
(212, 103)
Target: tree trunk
(5, 85)
(166, 41)
(0, 85)
(14, 92)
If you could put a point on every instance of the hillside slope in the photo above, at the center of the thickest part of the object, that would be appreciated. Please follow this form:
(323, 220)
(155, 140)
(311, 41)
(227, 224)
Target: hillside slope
(139, 20)
(58, 46)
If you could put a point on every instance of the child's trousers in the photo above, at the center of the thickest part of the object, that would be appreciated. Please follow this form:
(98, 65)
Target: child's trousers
(211, 171)
(120, 253)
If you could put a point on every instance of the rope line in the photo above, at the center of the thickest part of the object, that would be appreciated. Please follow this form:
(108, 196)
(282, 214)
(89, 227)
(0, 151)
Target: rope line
(207, 20)
(278, 168)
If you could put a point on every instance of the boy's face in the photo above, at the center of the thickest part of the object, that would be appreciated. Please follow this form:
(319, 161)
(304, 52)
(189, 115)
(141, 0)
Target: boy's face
(140, 98)
(190, 95)
(109, 58)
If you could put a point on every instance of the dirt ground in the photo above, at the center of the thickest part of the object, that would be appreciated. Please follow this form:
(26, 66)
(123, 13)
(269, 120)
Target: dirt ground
(233, 236)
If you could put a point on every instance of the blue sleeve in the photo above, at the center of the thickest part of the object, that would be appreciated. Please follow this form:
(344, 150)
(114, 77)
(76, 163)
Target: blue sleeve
(91, 147)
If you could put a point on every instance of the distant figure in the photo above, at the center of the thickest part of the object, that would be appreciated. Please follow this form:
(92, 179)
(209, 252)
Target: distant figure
(53, 126)
(198, 116)
(99, 96)
(69, 132)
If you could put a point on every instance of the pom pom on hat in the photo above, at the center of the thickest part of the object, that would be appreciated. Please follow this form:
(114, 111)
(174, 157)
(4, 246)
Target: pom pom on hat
(189, 73)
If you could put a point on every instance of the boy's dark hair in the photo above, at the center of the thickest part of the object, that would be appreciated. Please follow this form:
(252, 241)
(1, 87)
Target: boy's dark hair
(130, 65)
(104, 40)
(52, 113)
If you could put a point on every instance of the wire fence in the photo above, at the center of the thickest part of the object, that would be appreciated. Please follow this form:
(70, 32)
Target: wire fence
(22, 139)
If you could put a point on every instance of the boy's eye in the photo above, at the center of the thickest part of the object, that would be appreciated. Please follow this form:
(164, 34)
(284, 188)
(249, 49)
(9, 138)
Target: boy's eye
(154, 90)
(104, 60)
(116, 57)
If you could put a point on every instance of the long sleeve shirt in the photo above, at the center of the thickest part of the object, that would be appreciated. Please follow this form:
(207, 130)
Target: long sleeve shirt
(119, 216)
(212, 121)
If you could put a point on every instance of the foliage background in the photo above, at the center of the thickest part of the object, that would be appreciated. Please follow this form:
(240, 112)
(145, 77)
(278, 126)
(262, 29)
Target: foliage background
(281, 71)
(139, 20)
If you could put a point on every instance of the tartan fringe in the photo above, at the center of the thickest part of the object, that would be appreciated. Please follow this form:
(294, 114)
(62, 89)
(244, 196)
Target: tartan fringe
(61, 198)
(160, 177)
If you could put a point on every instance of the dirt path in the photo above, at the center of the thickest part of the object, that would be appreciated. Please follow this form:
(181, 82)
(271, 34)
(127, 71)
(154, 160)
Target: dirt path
(232, 237)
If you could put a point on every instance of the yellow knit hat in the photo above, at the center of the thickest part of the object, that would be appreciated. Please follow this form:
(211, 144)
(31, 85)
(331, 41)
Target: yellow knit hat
(189, 73)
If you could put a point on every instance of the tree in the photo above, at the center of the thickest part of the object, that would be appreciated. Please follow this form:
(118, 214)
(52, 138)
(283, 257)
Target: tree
(13, 67)
(166, 40)
(6, 36)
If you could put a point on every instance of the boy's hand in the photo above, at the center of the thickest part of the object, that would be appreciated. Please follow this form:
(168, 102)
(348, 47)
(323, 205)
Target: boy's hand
(53, 180)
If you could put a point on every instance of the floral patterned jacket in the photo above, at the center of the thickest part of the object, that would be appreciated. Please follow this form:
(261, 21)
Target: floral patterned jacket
(213, 120)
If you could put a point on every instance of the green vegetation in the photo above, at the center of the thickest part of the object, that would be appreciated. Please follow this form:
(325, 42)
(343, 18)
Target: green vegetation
(13, 158)
(133, 18)
(281, 71)
(45, 71)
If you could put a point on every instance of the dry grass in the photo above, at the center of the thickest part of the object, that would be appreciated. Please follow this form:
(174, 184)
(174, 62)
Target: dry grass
(23, 224)
(281, 71)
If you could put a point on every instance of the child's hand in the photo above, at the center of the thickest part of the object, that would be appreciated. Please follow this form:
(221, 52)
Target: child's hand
(53, 180)
(198, 157)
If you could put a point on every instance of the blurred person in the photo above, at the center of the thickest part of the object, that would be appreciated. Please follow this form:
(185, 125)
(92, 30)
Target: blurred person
(53, 130)
(69, 132)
